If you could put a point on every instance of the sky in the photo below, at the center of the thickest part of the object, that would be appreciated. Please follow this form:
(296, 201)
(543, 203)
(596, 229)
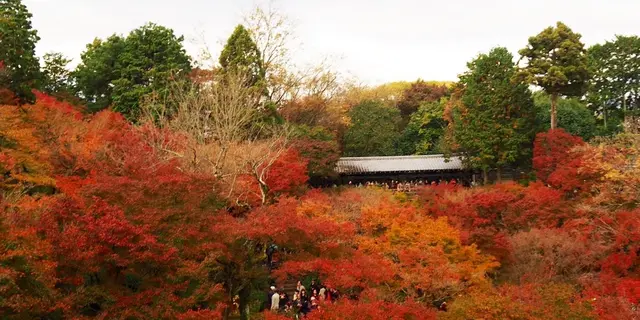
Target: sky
(376, 41)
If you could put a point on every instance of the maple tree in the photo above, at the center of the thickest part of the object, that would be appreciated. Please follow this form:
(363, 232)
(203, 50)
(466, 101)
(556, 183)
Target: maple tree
(553, 161)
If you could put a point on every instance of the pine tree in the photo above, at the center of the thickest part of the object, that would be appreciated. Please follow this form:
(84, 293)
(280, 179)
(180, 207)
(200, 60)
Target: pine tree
(17, 49)
(557, 62)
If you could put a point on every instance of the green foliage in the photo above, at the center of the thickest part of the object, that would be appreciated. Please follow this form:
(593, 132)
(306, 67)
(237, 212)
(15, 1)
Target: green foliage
(17, 49)
(421, 92)
(574, 117)
(122, 71)
(615, 86)
(241, 54)
(55, 75)
(373, 131)
(495, 123)
(319, 147)
(425, 129)
(557, 62)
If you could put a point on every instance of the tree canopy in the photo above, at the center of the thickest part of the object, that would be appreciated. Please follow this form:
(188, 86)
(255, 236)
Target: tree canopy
(573, 115)
(17, 50)
(556, 61)
(241, 54)
(373, 130)
(615, 86)
(425, 129)
(120, 71)
(56, 76)
(494, 122)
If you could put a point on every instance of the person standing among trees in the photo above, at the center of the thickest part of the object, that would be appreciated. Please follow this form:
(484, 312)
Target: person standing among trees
(267, 302)
(275, 301)
(300, 287)
(315, 287)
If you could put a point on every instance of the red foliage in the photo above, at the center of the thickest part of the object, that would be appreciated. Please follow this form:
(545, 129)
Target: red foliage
(288, 173)
(321, 155)
(553, 160)
(110, 226)
(372, 310)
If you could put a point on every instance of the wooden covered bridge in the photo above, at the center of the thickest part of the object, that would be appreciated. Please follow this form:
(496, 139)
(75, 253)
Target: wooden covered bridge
(426, 168)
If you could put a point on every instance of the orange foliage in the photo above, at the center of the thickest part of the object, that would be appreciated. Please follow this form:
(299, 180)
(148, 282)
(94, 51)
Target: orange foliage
(550, 301)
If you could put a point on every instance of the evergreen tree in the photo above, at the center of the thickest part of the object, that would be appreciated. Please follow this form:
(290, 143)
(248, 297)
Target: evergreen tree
(425, 129)
(241, 55)
(573, 116)
(495, 122)
(374, 130)
(122, 71)
(615, 87)
(17, 49)
(557, 62)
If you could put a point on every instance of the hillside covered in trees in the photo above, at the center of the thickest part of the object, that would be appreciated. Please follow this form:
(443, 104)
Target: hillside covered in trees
(143, 185)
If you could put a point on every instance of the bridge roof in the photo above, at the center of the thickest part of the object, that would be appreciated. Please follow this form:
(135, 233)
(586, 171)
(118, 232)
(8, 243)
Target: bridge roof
(421, 163)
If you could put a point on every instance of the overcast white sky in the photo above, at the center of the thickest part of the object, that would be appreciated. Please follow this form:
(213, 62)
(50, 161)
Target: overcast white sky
(377, 40)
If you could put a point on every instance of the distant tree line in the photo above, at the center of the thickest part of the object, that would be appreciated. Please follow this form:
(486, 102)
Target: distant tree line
(489, 115)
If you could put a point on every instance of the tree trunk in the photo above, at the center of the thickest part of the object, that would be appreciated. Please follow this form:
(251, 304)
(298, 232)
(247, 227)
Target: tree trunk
(554, 113)
(604, 115)
(499, 174)
(243, 302)
(485, 176)
(625, 114)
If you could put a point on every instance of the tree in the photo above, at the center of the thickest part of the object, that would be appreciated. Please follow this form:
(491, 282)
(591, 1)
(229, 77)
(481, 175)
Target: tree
(7, 97)
(272, 33)
(544, 301)
(121, 71)
(495, 122)
(574, 116)
(373, 130)
(17, 49)
(615, 86)
(319, 147)
(557, 62)
(553, 159)
(425, 129)
(418, 93)
(56, 76)
(241, 54)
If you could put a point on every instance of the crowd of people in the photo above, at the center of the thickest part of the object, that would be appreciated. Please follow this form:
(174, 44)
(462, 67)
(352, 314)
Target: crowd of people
(400, 186)
(302, 301)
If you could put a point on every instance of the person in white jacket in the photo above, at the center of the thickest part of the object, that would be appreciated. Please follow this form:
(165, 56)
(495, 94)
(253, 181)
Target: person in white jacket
(275, 301)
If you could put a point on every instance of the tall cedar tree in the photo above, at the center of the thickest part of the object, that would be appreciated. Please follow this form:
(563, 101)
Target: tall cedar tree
(122, 71)
(373, 131)
(241, 54)
(497, 116)
(17, 50)
(615, 87)
(557, 62)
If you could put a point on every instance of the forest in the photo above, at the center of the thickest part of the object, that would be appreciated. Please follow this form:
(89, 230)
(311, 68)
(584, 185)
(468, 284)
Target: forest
(148, 184)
